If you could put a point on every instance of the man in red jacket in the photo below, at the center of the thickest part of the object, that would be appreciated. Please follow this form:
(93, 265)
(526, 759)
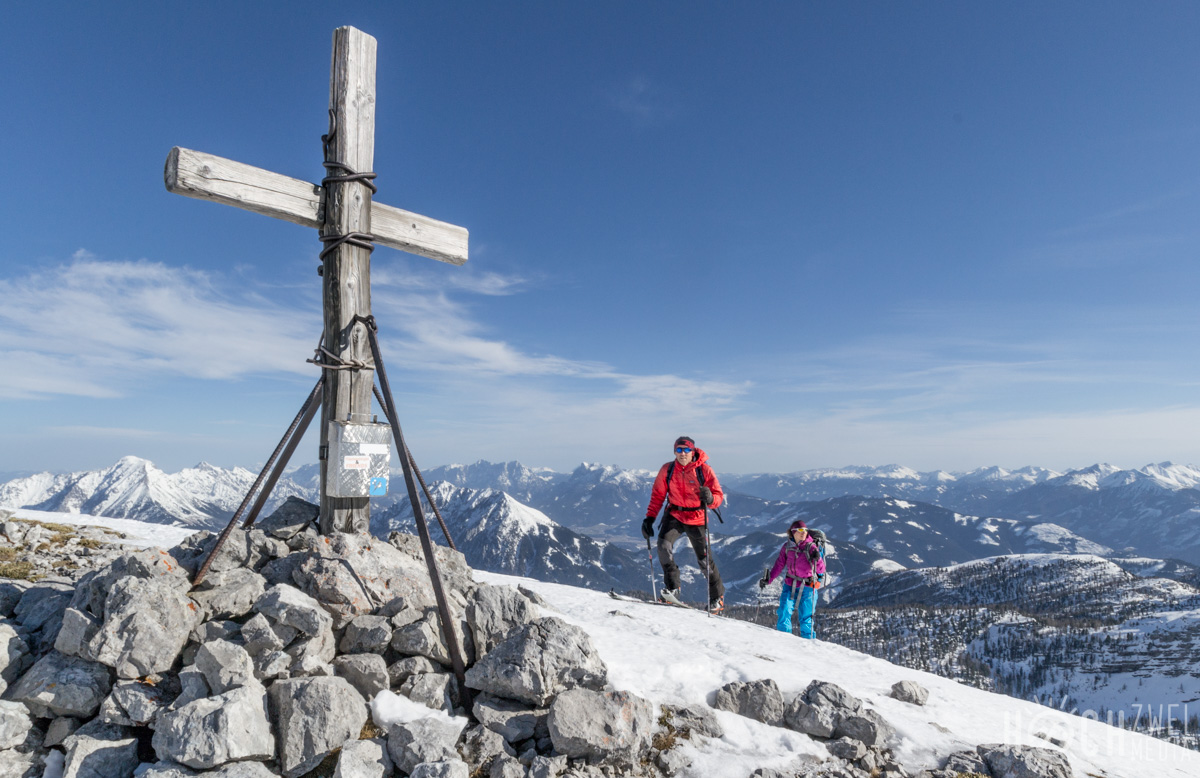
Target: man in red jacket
(688, 486)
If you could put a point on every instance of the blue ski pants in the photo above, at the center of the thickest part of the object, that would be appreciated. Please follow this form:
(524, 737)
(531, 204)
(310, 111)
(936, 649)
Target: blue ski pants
(804, 609)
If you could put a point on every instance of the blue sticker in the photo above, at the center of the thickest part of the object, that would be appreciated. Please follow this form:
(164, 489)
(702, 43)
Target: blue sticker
(378, 486)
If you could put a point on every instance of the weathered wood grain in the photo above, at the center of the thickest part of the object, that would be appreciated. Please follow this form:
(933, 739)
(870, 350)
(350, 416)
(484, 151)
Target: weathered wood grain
(209, 177)
(347, 268)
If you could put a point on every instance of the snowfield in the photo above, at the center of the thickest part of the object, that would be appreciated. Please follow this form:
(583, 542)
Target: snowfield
(675, 656)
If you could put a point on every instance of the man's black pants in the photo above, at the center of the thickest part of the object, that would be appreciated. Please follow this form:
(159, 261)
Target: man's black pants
(668, 534)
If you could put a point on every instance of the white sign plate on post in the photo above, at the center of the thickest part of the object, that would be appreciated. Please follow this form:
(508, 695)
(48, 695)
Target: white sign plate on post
(360, 458)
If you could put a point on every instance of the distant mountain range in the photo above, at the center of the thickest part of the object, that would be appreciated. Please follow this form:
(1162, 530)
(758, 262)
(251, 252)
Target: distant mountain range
(1074, 631)
(878, 519)
(1031, 582)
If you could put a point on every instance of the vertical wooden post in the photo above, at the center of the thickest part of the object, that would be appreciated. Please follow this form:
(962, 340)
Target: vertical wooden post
(347, 269)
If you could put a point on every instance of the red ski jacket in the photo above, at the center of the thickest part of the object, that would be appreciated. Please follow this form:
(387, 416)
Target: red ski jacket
(683, 493)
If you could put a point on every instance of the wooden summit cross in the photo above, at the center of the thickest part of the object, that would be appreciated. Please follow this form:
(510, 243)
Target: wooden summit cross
(349, 221)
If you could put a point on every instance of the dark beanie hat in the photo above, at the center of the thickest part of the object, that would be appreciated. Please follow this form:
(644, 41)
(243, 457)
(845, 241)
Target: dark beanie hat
(797, 524)
(684, 439)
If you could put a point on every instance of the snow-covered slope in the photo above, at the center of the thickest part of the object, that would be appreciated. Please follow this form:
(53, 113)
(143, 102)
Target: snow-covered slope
(670, 655)
(1075, 629)
(675, 656)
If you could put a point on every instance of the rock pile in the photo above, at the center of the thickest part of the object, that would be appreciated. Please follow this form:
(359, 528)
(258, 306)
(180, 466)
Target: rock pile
(275, 664)
(270, 665)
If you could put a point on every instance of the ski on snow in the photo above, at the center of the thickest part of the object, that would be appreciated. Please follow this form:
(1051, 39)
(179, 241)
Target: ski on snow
(668, 599)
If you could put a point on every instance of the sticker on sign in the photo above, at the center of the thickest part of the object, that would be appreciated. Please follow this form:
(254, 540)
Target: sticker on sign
(351, 462)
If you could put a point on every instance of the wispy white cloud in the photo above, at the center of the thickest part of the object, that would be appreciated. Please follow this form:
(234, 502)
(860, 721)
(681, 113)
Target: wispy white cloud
(96, 328)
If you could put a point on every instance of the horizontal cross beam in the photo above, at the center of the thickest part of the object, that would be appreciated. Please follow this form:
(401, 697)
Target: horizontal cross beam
(208, 177)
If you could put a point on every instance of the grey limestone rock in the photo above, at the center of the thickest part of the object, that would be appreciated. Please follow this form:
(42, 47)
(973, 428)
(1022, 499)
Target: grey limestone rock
(312, 651)
(242, 770)
(11, 592)
(288, 605)
(493, 612)
(368, 673)
(481, 745)
(694, 719)
(192, 686)
(400, 670)
(366, 634)
(260, 636)
(15, 723)
(847, 748)
(271, 665)
(211, 731)
(60, 685)
(222, 629)
(99, 750)
(1009, 761)
(40, 613)
(672, 762)
(15, 764)
(313, 716)
(167, 770)
(513, 721)
(364, 759)
(820, 709)
(225, 666)
(433, 690)
(241, 549)
(146, 625)
(868, 727)
(290, 519)
(229, 594)
(424, 740)
(539, 661)
(423, 637)
(506, 767)
(77, 630)
(450, 768)
(59, 729)
(759, 700)
(134, 703)
(547, 766)
(910, 692)
(14, 655)
(92, 590)
(600, 726)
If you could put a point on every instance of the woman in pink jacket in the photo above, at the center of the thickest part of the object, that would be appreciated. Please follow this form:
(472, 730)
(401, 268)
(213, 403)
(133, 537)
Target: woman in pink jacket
(804, 567)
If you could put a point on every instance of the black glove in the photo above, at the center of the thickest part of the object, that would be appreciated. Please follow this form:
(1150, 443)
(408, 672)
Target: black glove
(705, 496)
(812, 579)
(648, 527)
(812, 552)
(762, 582)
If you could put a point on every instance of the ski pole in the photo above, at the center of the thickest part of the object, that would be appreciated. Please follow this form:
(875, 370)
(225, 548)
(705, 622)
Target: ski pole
(650, 559)
(707, 563)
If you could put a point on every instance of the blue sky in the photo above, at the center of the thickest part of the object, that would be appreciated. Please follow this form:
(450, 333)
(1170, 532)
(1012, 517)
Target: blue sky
(945, 235)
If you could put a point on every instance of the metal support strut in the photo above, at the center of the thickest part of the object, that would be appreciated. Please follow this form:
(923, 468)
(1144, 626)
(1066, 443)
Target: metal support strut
(448, 630)
(287, 444)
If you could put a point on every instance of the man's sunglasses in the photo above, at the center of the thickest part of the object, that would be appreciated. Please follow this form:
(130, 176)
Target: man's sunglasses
(682, 450)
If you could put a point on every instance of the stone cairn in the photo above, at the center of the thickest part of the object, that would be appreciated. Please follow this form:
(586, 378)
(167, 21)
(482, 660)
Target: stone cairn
(269, 668)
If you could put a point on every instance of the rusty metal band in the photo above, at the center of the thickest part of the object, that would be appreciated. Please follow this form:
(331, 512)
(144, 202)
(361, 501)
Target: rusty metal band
(288, 440)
